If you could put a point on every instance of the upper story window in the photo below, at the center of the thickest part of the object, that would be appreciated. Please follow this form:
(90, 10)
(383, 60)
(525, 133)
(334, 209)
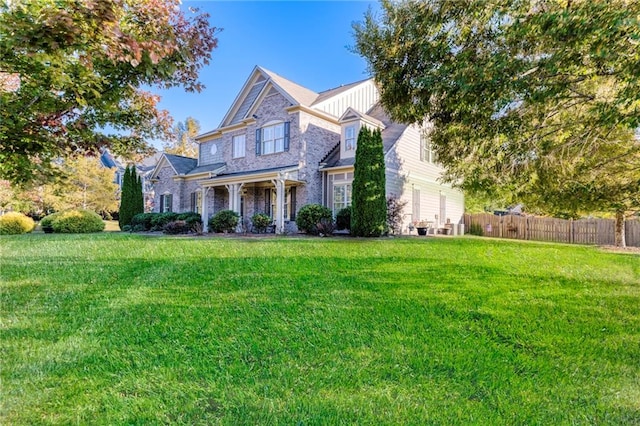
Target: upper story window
(426, 150)
(272, 138)
(350, 138)
(239, 143)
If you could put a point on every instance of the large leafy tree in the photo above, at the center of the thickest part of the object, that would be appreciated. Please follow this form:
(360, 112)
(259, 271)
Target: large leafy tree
(88, 186)
(533, 101)
(182, 140)
(83, 184)
(369, 203)
(71, 73)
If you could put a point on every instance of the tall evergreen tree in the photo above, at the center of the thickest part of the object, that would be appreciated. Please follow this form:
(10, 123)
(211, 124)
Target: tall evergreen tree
(369, 211)
(127, 197)
(139, 197)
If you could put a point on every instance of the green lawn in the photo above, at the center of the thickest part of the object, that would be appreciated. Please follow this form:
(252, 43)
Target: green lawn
(116, 328)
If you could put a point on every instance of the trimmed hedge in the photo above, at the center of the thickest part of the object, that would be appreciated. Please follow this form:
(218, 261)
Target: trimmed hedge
(158, 221)
(311, 215)
(14, 223)
(74, 222)
(224, 221)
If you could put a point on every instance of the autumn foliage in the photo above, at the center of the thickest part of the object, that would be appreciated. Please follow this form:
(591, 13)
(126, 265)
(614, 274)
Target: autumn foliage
(71, 74)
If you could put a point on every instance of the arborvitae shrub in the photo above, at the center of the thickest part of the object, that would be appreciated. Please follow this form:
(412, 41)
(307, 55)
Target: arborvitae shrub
(310, 216)
(260, 222)
(369, 214)
(14, 223)
(224, 221)
(343, 219)
(77, 222)
(125, 213)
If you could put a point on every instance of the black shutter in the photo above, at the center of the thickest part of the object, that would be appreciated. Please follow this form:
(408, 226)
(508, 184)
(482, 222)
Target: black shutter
(161, 204)
(258, 144)
(292, 216)
(286, 136)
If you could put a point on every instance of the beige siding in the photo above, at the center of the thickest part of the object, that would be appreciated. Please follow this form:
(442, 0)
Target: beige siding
(361, 98)
(407, 173)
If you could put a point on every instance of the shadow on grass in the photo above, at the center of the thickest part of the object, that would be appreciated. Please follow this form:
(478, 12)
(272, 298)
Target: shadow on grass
(258, 332)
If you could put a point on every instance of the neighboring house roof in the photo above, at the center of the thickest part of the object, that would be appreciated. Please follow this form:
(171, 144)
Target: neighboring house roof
(108, 160)
(147, 164)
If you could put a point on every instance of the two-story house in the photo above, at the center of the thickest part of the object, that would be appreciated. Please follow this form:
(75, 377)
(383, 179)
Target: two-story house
(281, 146)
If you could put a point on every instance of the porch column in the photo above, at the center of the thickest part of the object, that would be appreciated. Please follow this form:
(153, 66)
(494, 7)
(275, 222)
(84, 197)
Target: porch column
(235, 192)
(279, 213)
(203, 209)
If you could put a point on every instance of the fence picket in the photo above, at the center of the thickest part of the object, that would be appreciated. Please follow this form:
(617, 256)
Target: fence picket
(581, 231)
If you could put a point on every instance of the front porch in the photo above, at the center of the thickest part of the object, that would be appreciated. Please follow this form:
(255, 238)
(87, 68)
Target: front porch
(272, 192)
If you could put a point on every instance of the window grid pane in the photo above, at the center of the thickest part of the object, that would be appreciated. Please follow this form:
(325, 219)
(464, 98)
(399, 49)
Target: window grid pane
(273, 139)
(239, 146)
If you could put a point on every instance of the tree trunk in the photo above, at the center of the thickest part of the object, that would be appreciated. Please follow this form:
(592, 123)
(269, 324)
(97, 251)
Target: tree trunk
(620, 237)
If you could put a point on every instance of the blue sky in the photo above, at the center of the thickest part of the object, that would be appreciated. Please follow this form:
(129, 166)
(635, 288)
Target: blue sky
(305, 41)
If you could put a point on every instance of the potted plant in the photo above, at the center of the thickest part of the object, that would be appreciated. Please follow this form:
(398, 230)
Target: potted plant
(422, 227)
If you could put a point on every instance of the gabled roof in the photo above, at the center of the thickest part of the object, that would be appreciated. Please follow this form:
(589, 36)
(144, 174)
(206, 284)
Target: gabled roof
(391, 132)
(352, 114)
(300, 94)
(180, 165)
(259, 82)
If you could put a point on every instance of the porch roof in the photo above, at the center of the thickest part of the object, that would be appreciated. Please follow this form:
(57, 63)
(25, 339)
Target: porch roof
(289, 173)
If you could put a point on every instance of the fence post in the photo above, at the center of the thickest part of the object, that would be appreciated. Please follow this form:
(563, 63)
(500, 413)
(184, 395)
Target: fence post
(571, 231)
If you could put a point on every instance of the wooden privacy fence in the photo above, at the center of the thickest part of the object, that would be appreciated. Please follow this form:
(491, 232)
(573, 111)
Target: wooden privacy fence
(581, 231)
